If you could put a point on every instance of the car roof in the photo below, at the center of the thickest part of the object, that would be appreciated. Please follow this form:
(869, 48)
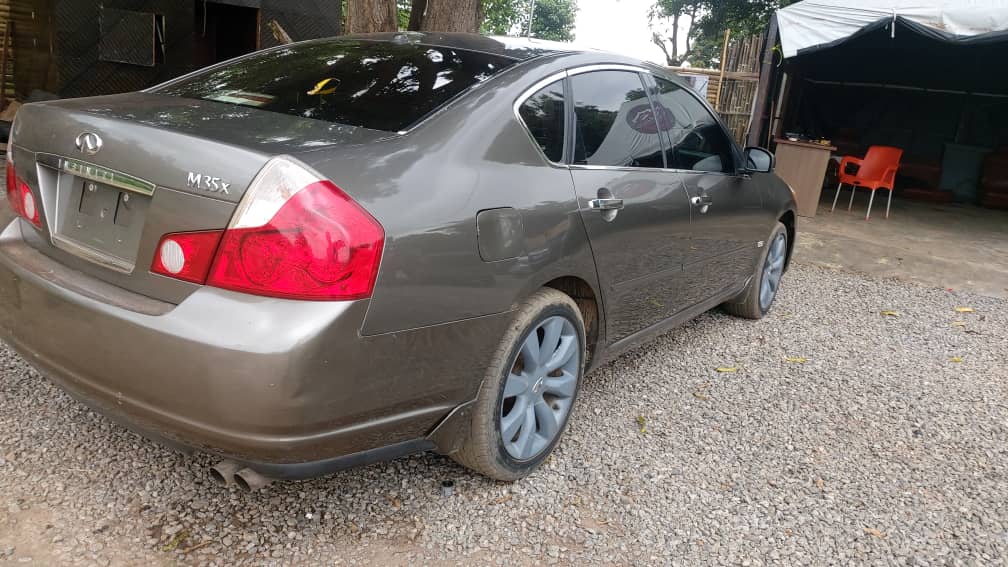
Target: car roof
(517, 48)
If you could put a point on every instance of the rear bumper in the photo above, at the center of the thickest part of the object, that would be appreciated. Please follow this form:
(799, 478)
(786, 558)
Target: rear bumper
(260, 380)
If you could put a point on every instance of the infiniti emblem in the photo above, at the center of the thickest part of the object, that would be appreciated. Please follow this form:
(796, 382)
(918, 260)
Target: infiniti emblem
(89, 143)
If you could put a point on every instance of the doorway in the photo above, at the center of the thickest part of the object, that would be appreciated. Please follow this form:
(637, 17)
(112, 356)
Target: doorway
(223, 31)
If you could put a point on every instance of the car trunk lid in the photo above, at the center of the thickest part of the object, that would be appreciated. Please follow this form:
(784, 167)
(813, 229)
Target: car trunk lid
(113, 174)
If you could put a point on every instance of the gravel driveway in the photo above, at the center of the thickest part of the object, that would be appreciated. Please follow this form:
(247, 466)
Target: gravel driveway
(880, 447)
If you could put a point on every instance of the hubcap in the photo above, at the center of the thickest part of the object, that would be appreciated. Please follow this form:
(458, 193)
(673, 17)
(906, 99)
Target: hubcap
(773, 269)
(539, 389)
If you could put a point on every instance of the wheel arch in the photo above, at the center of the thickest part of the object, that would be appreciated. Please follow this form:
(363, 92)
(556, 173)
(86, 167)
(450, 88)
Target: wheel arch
(790, 222)
(591, 309)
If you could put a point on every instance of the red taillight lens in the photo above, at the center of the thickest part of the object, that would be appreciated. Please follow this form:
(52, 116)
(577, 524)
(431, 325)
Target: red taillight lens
(186, 255)
(19, 195)
(294, 235)
(13, 195)
(319, 245)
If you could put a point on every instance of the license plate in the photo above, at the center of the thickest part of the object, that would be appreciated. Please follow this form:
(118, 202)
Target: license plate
(102, 222)
(105, 204)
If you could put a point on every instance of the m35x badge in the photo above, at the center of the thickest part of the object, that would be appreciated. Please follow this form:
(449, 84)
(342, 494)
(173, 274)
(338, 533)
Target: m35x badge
(207, 182)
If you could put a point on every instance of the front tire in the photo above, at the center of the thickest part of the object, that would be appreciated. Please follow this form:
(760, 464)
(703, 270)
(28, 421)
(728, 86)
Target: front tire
(529, 391)
(758, 297)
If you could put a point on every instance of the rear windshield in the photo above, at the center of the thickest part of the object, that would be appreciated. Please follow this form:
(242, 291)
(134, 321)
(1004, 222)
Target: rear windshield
(377, 85)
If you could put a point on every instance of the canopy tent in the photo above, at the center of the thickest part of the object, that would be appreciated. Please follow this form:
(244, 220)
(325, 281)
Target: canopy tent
(922, 75)
(818, 24)
(950, 46)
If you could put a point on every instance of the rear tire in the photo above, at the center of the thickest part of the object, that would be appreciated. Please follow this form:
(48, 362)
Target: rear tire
(752, 303)
(529, 389)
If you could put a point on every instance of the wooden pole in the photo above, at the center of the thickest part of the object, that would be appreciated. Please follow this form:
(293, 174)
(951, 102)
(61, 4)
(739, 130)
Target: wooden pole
(724, 62)
(528, 32)
(279, 33)
(3, 64)
(766, 73)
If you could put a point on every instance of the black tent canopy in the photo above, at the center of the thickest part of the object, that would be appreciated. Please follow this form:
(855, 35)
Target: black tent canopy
(864, 72)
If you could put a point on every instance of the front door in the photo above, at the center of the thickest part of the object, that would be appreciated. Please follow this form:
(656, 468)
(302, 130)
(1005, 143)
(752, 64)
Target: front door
(637, 213)
(728, 218)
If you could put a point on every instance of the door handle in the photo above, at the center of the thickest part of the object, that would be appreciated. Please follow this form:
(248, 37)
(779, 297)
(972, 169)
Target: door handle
(703, 201)
(605, 204)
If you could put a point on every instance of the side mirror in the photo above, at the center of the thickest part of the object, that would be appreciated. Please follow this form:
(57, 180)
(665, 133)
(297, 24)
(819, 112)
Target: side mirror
(759, 160)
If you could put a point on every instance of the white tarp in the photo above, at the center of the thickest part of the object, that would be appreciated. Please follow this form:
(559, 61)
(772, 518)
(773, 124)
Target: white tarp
(820, 22)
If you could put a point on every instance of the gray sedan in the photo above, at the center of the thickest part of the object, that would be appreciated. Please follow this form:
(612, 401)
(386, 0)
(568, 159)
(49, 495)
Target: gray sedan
(346, 250)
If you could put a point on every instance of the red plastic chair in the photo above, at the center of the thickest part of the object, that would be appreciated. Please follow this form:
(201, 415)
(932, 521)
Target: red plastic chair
(876, 171)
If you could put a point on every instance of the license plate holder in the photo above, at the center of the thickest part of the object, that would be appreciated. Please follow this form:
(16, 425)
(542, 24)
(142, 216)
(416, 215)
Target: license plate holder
(101, 222)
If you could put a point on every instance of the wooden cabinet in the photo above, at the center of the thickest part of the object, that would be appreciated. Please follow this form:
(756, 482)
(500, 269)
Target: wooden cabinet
(803, 166)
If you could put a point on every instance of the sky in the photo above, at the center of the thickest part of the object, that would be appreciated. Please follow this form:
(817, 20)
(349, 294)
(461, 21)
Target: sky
(620, 26)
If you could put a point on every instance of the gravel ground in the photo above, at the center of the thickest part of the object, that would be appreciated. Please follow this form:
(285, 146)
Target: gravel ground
(878, 448)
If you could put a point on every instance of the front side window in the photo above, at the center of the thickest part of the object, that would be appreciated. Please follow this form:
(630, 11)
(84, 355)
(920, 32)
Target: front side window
(696, 140)
(543, 115)
(372, 84)
(614, 122)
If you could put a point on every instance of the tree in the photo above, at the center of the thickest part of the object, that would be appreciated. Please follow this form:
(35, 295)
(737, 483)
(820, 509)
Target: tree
(553, 19)
(417, 11)
(669, 16)
(367, 16)
(701, 25)
(501, 16)
(453, 15)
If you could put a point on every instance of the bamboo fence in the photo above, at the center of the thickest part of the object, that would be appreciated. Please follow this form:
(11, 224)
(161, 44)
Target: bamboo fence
(731, 89)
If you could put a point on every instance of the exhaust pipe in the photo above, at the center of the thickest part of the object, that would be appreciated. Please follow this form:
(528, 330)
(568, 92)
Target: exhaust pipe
(249, 480)
(223, 473)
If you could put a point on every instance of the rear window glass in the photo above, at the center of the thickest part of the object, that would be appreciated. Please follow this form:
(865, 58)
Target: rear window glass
(543, 114)
(377, 85)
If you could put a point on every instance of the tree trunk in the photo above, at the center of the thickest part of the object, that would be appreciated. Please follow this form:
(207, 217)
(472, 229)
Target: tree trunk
(453, 16)
(689, 32)
(369, 16)
(417, 15)
(675, 37)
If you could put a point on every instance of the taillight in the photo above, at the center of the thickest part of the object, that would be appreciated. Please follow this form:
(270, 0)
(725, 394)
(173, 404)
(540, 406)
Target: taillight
(297, 236)
(186, 255)
(13, 195)
(19, 195)
(28, 208)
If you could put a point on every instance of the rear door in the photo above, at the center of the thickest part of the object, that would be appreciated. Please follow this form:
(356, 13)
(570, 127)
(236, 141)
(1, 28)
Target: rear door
(636, 212)
(727, 208)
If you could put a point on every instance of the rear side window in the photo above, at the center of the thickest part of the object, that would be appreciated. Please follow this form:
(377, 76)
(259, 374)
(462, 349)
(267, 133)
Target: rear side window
(614, 121)
(543, 115)
(377, 85)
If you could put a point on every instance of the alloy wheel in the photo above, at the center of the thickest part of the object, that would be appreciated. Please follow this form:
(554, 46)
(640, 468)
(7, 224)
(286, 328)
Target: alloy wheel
(539, 389)
(773, 269)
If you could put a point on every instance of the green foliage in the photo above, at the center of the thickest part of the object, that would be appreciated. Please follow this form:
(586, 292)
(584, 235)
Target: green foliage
(403, 8)
(705, 51)
(501, 16)
(554, 19)
(702, 23)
